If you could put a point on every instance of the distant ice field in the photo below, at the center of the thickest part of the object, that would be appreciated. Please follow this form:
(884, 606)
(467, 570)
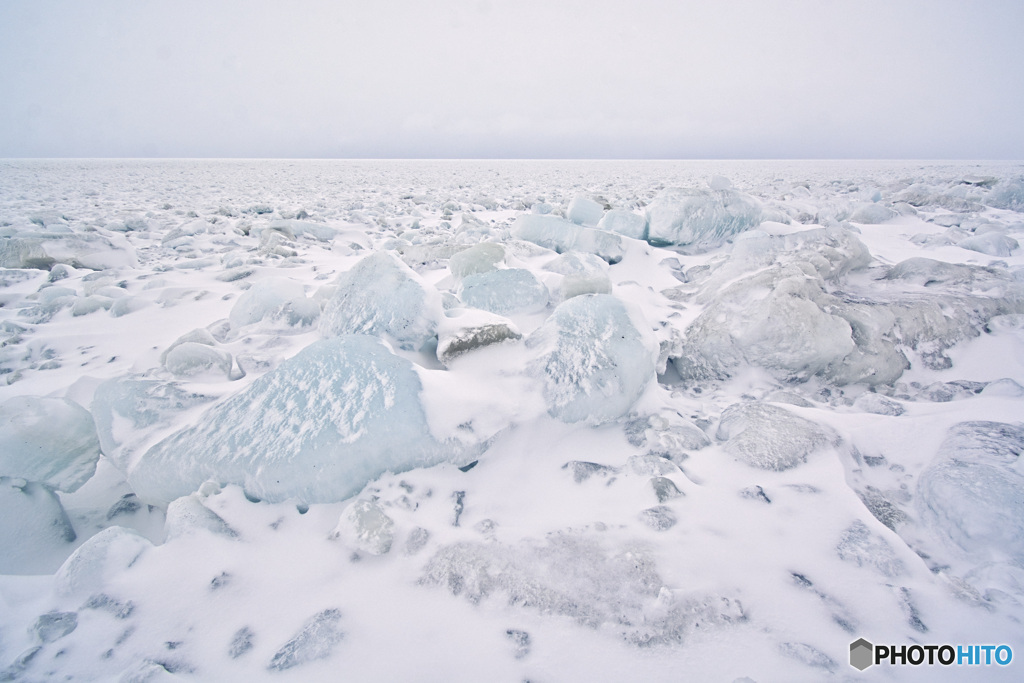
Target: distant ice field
(508, 419)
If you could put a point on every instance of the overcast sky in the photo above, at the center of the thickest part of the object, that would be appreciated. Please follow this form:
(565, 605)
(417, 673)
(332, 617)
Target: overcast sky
(513, 78)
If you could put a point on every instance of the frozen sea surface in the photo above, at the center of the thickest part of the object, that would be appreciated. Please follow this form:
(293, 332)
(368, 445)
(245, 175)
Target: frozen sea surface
(508, 420)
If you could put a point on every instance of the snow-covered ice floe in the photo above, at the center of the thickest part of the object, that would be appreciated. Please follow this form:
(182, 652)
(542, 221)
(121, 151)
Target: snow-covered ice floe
(531, 420)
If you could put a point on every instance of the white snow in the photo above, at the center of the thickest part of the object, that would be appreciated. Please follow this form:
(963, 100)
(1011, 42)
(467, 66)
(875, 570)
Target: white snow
(462, 421)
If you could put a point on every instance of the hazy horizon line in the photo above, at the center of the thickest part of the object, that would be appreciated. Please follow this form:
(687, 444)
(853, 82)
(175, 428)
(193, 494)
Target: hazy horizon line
(1008, 160)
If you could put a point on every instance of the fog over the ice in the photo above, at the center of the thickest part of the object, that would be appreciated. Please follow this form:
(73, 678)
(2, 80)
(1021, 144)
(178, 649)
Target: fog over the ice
(512, 78)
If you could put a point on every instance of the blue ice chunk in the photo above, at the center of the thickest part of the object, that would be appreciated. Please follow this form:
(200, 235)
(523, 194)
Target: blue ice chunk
(870, 213)
(24, 252)
(700, 219)
(1008, 194)
(382, 296)
(582, 274)
(584, 211)
(561, 235)
(276, 297)
(50, 440)
(972, 495)
(130, 410)
(991, 243)
(625, 222)
(514, 290)
(35, 532)
(338, 414)
(595, 357)
(189, 359)
(479, 258)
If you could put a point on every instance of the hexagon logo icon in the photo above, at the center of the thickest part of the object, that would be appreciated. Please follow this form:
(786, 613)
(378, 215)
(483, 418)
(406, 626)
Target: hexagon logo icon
(862, 654)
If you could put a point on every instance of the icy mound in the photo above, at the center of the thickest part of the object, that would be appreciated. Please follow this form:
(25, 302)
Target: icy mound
(879, 405)
(770, 437)
(668, 435)
(625, 222)
(931, 326)
(775, 319)
(959, 198)
(1009, 194)
(99, 559)
(928, 272)
(383, 296)
(38, 249)
(21, 252)
(871, 213)
(768, 306)
(426, 252)
(188, 514)
(480, 258)
(876, 358)
(335, 416)
(180, 238)
(959, 300)
(859, 546)
(514, 290)
(191, 359)
(574, 576)
(316, 640)
(281, 299)
(297, 228)
(830, 253)
(972, 495)
(581, 274)
(35, 532)
(49, 440)
(774, 305)
(195, 353)
(584, 211)
(129, 410)
(364, 525)
(462, 330)
(561, 235)
(595, 358)
(472, 229)
(991, 243)
(700, 219)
